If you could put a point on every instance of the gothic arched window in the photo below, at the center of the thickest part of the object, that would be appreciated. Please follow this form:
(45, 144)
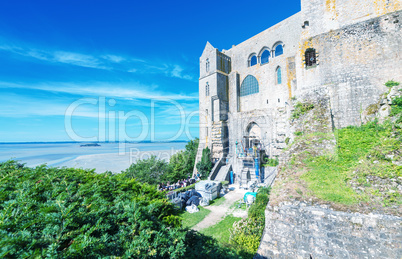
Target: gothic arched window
(278, 75)
(265, 56)
(278, 50)
(249, 86)
(252, 60)
(310, 57)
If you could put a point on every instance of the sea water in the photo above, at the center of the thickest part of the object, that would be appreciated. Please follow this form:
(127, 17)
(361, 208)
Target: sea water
(107, 156)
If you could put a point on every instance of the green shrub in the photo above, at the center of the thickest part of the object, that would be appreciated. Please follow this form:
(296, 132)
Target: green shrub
(391, 83)
(151, 170)
(299, 133)
(246, 233)
(246, 236)
(271, 162)
(183, 189)
(204, 166)
(396, 108)
(257, 209)
(76, 213)
(154, 170)
(301, 108)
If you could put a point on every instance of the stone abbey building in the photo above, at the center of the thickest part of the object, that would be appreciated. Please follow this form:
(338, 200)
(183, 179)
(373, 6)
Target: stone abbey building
(340, 50)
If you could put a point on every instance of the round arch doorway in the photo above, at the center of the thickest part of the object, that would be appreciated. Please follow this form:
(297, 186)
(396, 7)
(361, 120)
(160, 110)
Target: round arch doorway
(252, 137)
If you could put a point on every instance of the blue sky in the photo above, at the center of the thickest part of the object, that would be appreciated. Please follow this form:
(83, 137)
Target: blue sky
(78, 70)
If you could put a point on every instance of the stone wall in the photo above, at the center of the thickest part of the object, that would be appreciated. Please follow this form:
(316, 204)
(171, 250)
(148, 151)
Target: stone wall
(325, 15)
(354, 62)
(300, 230)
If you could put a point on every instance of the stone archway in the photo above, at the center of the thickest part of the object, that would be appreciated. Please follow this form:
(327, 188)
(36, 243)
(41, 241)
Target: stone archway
(253, 133)
(253, 130)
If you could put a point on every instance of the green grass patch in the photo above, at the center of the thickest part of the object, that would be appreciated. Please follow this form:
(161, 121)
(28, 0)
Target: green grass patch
(301, 108)
(218, 201)
(235, 206)
(220, 231)
(183, 189)
(329, 175)
(192, 219)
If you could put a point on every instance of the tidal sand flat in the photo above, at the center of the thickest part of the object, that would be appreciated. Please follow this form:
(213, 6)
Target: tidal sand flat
(115, 162)
(113, 157)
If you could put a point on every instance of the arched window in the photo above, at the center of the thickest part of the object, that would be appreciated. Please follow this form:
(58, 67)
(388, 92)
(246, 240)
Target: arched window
(249, 86)
(207, 89)
(265, 56)
(207, 65)
(278, 75)
(278, 50)
(252, 61)
(310, 57)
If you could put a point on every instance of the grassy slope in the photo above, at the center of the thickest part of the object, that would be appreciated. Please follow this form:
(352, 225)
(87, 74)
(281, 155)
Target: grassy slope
(361, 152)
(192, 219)
(220, 231)
(352, 168)
(218, 201)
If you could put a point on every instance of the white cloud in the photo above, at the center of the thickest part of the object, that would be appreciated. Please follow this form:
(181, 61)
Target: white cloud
(113, 58)
(105, 62)
(177, 71)
(128, 90)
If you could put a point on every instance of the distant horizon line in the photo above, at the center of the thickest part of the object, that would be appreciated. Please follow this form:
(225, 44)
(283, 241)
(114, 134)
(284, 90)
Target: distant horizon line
(72, 142)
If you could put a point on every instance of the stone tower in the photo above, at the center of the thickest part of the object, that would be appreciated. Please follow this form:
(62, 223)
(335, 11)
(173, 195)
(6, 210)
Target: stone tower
(213, 90)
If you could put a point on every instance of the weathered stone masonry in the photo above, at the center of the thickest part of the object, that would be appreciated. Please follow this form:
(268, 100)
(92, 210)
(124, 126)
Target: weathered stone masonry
(300, 230)
(357, 46)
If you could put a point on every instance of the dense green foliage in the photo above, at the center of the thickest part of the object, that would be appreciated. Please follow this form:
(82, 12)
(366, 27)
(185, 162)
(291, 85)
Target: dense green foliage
(362, 152)
(205, 165)
(154, 170)
(246, 233)
(271, 161)
(301, 108)
(181, 164)
(151, 170)
(256, 210)
(396, 109)
(75, 213)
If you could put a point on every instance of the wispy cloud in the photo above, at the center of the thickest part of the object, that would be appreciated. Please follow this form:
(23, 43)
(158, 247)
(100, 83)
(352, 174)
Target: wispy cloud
(105, 61)
(125, 91)
(65, 57)
(177, 71)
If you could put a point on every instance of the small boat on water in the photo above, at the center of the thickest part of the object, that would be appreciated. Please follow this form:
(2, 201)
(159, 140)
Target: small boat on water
(90, 145)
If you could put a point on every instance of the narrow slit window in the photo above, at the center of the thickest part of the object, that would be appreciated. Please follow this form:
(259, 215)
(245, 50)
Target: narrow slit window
(310, 57)
(207, 65)
(207, 89)
(279, 76)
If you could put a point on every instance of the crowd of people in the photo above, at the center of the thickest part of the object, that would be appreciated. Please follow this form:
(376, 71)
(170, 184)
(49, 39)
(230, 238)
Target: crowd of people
(179, 184)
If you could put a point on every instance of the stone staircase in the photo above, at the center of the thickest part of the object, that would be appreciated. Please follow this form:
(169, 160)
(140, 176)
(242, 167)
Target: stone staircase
(247, 173)
(218, 139)
(223, 173)
(281, 121)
